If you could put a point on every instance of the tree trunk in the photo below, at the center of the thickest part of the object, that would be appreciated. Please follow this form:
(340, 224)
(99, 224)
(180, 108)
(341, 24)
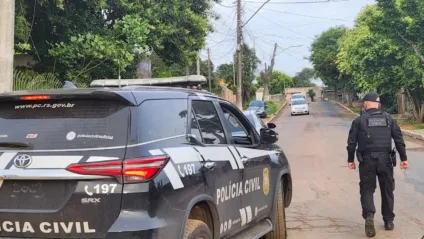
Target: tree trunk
(265, 80)
(417, 109)
(421, 114)
(336, 94)
(349, 99)
(266, 92)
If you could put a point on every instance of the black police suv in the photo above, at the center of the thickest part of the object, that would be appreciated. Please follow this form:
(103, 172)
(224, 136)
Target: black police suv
(137, 162)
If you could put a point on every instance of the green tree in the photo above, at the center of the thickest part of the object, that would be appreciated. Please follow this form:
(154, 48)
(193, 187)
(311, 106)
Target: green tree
(402, 21)
(279, 82)
(304, 78)
(324, 58)
(378, 62)
(225, 72)
(93, 39)
(249, 63)
(311, 94)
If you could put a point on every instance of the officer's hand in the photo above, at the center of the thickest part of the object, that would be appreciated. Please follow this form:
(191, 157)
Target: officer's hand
(404, 164)
(352, 165)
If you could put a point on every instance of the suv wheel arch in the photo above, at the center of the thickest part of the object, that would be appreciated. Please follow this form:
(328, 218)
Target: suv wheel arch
(202, 208)
(285, 179)
(288, 189)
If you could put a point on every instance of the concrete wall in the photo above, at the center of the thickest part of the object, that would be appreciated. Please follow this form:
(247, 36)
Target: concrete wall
(259, 93)
(227, 94)
(277, 98)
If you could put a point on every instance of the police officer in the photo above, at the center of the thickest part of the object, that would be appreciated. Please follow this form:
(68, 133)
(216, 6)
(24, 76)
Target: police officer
(373, 132)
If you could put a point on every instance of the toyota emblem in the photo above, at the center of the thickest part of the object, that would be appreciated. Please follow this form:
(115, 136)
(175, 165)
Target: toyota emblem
(22, 161)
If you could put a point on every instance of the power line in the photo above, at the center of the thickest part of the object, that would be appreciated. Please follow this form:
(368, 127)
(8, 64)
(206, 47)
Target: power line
(300, 2)
(221, 56)
(302, 15)
(288, 29)
(222, 5)
(255, 12)
(285, 38)
(228, 32)
(226, 20)
(225, 40)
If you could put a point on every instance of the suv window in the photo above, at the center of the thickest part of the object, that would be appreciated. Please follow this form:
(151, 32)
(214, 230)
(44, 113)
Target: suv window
(162, 118)
(65, 124)
(195, 129)
(239, 126)
(210, 125)
(235, 126)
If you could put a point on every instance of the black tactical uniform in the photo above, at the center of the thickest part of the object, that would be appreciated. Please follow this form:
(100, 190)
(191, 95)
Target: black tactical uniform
(373, 132)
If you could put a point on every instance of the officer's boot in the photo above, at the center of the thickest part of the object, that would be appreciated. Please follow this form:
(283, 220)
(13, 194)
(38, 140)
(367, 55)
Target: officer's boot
(369, 226)
(389, 226)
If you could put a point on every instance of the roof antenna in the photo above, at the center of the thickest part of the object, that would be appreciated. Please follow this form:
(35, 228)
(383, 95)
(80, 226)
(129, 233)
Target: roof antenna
(119, 74)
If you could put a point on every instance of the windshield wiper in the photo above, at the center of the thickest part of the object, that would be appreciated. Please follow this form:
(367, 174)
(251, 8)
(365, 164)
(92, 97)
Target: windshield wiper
(16, 145)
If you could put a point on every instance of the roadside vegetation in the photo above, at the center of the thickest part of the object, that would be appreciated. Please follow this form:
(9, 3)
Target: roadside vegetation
(407, 124)
(383, 52)
(273, 107)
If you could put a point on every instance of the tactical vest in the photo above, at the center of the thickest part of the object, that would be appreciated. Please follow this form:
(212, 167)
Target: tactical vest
(375, 134)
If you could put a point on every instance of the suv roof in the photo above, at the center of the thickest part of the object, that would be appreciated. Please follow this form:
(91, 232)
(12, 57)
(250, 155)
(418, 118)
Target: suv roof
(186, 80)
(132, 95)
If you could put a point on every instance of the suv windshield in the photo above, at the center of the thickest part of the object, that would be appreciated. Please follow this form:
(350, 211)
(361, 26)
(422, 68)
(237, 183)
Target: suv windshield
(297, 97)
(299, 102)
(71, 124)
(256, 103)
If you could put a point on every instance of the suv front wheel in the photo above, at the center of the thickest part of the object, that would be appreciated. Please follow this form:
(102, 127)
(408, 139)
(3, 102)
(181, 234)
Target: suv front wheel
(196, 229)
(280, 230)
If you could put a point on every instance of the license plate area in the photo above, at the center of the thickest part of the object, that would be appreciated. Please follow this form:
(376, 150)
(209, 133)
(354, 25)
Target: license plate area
(35, 195)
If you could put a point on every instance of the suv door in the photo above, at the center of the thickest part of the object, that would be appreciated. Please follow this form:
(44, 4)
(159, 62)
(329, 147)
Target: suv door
(223, 176)
(257, 199)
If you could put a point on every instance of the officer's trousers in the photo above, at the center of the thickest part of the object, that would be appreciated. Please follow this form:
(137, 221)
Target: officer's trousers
(377, 165)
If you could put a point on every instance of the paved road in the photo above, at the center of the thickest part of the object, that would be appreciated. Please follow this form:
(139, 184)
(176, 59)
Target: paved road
(326, 193)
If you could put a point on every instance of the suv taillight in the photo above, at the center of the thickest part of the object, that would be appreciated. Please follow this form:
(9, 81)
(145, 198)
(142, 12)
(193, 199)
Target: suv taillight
(130, 170)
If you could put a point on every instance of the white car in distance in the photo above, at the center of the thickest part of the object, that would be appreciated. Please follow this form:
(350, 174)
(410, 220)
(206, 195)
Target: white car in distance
(299, 107)
(297, 96)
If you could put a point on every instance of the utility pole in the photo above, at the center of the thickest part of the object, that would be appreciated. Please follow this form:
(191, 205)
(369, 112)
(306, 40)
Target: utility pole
(234, 68)
(272, 62)
(198, 64)
(7, 34)
(239, 100)
(268, 74)
(209, 69)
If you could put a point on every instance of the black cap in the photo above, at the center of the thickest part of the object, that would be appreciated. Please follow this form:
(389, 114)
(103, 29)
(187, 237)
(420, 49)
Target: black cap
(372, 96)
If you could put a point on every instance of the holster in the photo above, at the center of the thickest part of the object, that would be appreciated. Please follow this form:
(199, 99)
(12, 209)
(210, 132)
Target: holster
(359, 156)
(393, 157)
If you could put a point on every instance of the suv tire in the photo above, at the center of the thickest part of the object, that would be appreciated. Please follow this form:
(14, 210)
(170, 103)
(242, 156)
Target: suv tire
(280, 229)
(196, 229)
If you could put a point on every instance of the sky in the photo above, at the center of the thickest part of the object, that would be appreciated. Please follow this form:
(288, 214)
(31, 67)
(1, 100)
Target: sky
(292, 24)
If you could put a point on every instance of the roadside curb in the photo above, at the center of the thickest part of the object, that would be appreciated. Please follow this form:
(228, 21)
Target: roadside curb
(346, 108)
(276, 113)
(413, 134)
(404, 131)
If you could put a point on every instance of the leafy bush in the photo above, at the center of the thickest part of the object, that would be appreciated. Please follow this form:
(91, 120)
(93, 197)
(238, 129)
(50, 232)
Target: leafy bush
(311, 94)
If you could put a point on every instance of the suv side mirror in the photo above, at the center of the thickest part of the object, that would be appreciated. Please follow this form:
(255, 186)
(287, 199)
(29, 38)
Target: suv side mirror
(268, 136)
(271, 125)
